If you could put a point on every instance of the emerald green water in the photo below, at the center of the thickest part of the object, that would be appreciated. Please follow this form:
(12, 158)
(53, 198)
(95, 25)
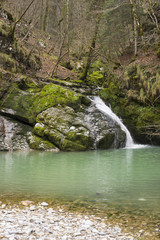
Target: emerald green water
(124, 178)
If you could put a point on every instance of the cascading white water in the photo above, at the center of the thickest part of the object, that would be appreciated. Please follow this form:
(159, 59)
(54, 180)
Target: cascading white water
(106, 110)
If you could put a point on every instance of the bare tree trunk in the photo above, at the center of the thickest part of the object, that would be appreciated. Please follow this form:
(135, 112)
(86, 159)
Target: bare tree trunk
(135, 36)
(46, 16)
(18, 20)
(67, 25)
(60, 56)
(154, 18)
(91, 50)
(41, 14)
(136, 23)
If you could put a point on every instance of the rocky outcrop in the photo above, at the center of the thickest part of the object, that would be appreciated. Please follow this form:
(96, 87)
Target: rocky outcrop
(58, 118)
(13, 135)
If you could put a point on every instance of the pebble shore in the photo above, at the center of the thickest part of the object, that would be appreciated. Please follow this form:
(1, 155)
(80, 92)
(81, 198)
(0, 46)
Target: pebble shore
(42, 222)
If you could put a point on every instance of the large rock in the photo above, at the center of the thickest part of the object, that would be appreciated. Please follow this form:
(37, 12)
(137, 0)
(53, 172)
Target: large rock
(38, 143)
(78, 131)
(13, 135)
(25, 99)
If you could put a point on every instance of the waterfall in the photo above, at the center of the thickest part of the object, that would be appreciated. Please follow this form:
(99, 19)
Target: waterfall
(106, 110)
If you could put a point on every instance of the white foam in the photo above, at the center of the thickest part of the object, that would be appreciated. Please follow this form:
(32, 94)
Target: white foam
(106, 110)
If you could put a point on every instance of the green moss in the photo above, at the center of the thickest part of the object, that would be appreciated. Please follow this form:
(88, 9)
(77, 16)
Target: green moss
(79, 137)
(147, 116)
(68, 145)
(29, 104)
(54, 136)
(138, 79)
(29, 84)
(8, 63)
(110, 94)
(38, 143)
(52, 95)
(39, 129)
(3, 30)
(95, 78)
(51, 57)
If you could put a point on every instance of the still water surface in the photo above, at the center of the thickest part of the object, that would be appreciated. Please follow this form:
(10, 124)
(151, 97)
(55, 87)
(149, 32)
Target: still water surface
(125, 177)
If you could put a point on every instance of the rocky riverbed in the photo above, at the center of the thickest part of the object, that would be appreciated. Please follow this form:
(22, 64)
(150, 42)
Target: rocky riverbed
(41, 222)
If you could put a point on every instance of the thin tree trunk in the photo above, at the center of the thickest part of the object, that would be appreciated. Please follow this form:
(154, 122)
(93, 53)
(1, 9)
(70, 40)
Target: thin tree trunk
(67, 25)
(41, 15)
(136, 23)
(18, 20)
(46, 16)
(60, 56)
(91, 50)
(154, 18)
(135, 37)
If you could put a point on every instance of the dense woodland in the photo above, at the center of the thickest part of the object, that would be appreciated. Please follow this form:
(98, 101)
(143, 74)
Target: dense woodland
(110, 45)
(90, 29)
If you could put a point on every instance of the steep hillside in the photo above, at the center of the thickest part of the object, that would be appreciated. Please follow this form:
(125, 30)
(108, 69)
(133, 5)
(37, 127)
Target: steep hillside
(135, 94)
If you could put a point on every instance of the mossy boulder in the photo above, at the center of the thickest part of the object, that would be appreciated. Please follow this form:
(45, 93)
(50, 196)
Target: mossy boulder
(27, 100)
(87, 129)
(59, 125)
(38, 143)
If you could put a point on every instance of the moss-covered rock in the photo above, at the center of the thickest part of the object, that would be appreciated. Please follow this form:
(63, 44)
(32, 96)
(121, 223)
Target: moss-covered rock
(67, 145)
(38, 143)
(28, 100)
(106, 141)
(70, 130)
(59, 126)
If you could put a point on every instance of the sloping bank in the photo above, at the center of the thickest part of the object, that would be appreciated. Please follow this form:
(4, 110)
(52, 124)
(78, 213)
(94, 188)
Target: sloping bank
(51, 117)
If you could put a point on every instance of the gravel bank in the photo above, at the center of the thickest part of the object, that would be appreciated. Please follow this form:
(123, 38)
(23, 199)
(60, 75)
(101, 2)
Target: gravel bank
(43, 223)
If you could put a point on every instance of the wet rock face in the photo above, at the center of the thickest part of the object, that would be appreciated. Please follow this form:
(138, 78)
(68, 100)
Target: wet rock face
(106, 132)
(78, 131)
(12, 135)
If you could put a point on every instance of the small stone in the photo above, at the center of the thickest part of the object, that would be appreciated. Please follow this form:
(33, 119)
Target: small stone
(77, 234)
(95, 230)
(44, 204)
(32, 208)
(3, 205)
(61, 211)
(64, 237)
(88, 223)
(26, 202)
(102, 233)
